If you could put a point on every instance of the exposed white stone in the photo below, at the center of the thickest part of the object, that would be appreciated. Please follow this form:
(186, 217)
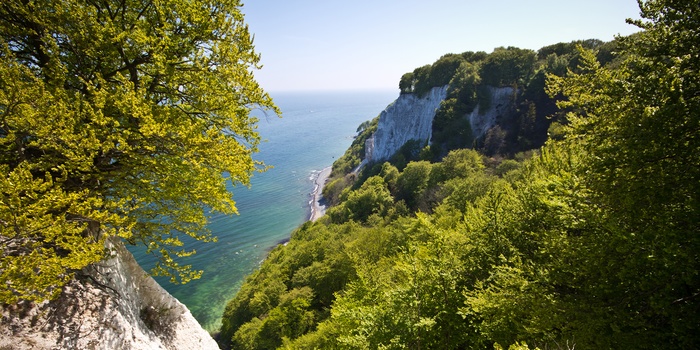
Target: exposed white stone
(369, 148)
(482, 121)
(409, 118)
(119, 306)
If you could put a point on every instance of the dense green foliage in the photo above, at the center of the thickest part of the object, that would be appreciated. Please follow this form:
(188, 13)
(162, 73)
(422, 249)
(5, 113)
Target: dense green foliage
(343, 175)
(592, 243)
(118, 118)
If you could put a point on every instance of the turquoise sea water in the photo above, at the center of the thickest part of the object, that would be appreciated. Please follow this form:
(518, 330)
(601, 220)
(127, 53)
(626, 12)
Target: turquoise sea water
(316, 129)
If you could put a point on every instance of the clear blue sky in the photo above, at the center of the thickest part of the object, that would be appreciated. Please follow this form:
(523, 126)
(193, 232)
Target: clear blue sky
(370, 44)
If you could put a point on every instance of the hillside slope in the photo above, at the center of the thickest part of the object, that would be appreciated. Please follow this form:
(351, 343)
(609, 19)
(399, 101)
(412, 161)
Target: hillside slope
(588, 241)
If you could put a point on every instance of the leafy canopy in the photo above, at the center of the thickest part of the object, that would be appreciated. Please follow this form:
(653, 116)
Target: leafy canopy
(118, 118)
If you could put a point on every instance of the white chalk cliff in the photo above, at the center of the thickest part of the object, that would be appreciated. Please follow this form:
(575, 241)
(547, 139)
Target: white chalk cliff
(409, 118)
(118, 306)
(481, 121)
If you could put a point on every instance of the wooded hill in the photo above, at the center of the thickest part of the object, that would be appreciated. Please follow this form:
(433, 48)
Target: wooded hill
(589, 242)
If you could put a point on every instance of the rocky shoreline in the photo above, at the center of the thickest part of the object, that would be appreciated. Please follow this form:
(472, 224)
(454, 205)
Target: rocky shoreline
(317, 203)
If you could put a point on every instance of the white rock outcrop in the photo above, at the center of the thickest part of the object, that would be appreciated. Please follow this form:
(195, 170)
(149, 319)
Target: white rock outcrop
(409, 118)
(114, 305)
(501, 105)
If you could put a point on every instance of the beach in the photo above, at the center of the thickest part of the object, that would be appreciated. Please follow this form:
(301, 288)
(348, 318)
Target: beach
(318, 205)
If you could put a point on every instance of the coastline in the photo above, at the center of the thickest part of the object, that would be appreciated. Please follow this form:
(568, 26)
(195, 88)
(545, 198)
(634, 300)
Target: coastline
(317, 203)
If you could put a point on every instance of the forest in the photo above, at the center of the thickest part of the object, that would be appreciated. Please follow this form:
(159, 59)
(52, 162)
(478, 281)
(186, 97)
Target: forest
(576, 225)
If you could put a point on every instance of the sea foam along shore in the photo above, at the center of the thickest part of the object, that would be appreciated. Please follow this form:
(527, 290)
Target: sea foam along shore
(317, 204)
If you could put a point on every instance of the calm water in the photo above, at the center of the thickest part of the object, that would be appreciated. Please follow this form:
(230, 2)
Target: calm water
(316, 129)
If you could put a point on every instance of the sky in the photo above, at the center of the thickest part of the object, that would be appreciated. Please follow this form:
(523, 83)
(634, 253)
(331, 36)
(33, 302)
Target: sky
(320, 45)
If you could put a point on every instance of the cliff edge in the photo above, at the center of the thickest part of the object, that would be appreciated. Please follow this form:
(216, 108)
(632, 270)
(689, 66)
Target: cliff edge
(410, 117)
(111, 305)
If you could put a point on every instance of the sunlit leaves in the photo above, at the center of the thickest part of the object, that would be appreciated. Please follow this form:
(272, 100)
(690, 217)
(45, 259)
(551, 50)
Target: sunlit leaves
(120, 118)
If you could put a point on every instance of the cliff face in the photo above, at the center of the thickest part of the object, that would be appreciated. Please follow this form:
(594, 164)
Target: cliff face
(481, 121)
(411, 118)
(408, 118)
(114, 305)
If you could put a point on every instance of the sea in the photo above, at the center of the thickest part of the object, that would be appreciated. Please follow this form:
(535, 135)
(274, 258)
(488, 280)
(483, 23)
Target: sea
(315, 129)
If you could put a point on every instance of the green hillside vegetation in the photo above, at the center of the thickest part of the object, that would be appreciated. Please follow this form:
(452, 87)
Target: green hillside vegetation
(591, 242)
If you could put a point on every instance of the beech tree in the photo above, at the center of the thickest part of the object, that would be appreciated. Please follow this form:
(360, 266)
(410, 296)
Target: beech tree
(641, 123)
(118, 118)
